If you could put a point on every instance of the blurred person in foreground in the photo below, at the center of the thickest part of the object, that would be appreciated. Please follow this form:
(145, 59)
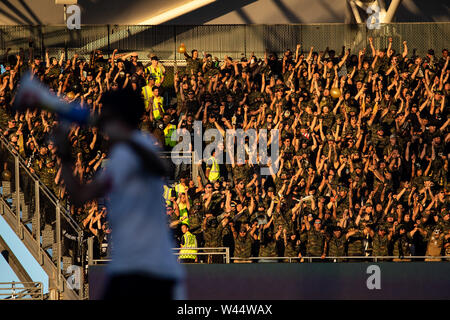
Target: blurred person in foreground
(142, 265)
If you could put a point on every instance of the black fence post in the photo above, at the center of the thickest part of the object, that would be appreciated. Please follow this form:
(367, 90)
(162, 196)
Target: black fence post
(41, 36)
(245, 40)
(109, 40)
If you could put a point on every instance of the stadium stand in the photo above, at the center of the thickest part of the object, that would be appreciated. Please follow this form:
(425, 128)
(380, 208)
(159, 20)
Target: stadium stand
(363, 162)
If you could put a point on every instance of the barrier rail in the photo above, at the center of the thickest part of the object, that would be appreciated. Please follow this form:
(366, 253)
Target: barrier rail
(341, 259)
(42, 187)
(218, 251)
(21, 291)
(36, 215)
(228, 259)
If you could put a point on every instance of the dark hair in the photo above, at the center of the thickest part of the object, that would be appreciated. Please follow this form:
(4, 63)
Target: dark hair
(125, 104)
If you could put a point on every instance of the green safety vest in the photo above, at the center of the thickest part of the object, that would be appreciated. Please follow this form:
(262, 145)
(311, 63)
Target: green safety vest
(166, 195)
(147, 93)
(184, 212)
(179, 188)
(156, 73)
(168, 135)
(190, 241)
(157, 101)
(214, 173)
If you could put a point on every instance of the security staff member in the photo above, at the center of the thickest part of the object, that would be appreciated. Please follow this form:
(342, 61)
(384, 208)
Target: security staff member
(184, 207)
(169, 128)
(188, 240)
(147, 92)
(156, 70)
(213, 169)
(169, 193)
(156, 103)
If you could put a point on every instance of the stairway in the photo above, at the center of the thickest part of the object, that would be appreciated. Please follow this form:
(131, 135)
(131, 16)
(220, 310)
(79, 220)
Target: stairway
(38, 220)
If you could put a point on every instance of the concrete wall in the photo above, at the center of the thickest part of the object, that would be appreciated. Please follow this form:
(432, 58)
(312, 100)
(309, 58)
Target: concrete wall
(277, 281)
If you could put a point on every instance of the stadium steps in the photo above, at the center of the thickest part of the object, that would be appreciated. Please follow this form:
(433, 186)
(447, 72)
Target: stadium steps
(48, 237)
(41, 253)
(26, 227)
(6, 188)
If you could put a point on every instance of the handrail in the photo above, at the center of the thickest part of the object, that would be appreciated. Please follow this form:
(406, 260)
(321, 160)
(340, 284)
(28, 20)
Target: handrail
(24, 289)
(290, 259)
(225, 249)
(42, 186)
(374, 258)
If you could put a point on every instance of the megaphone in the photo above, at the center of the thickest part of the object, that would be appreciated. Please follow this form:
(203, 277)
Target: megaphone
(32, 94)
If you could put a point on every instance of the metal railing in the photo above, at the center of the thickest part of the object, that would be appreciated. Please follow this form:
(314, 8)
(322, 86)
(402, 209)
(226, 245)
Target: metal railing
(44, 190)
(341, 259)
(40, 220)
(21, 291)
(217, 251)
(186, 165)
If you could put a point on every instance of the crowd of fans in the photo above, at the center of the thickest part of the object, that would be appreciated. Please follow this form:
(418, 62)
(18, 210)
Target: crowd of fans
(363, 170)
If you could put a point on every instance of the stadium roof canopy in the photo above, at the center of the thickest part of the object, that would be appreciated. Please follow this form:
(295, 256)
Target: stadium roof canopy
(211, 11)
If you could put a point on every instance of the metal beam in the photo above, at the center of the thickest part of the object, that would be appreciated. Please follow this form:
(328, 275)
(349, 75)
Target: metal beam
(30, 243)
(355, 11)
(13, 262)
(391, 11)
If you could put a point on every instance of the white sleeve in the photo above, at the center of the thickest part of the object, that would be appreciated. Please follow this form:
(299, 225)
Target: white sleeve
(122, 164)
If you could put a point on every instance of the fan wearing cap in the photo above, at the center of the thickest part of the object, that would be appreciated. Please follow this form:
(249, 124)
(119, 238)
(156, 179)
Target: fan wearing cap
(156, 70)
(243, 242)
(336, 244)
(133, 64)
(48, 172)
(156, 104)
(189, 245)
(147, 91)
(436, 240)
(380, 241)
(88, 82)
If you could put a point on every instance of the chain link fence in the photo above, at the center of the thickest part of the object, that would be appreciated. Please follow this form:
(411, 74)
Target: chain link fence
(235, 41)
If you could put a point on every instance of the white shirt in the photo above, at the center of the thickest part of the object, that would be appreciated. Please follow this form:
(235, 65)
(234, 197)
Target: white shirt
(142, 240)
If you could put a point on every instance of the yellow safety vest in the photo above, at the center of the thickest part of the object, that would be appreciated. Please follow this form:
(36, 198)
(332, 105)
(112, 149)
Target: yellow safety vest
(167, 192)
(190, 241)
(214, 173)
(156, 73)
(147, 93)
(183, 212)
(157, 101)
(179, 188)
(168, 135)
